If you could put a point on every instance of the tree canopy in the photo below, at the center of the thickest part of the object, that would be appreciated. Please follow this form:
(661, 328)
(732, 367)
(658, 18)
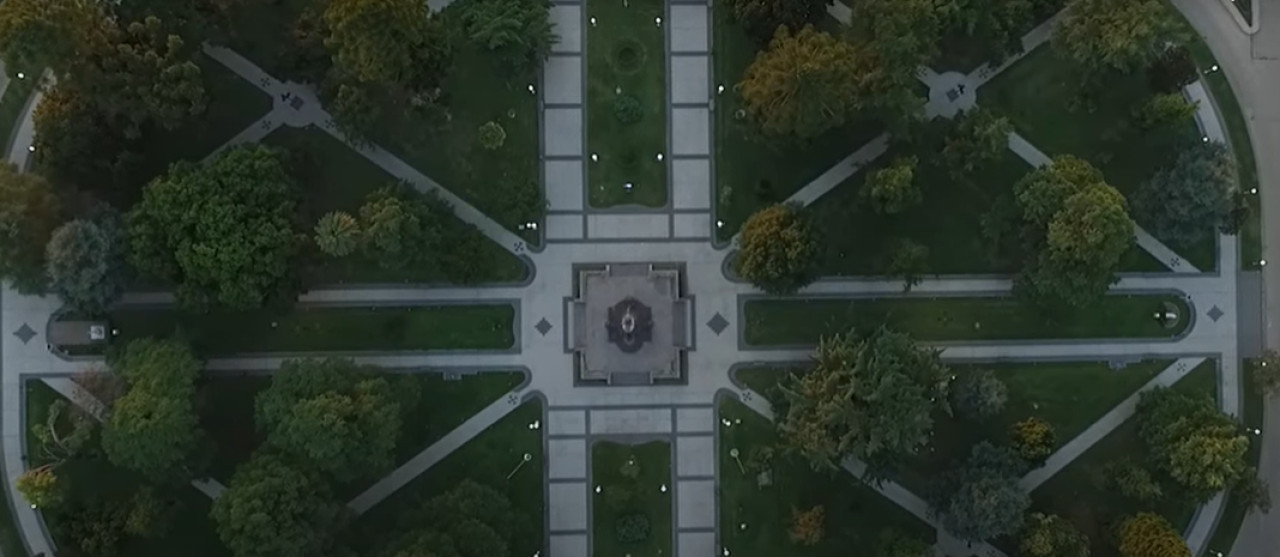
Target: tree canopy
(1188, 201)
(153, 428)
(1192, 442)
(1150, 535)
(393, 42)
(1121, 35)
(763, 17)
(520, 32)
(28, 217)
(236, 250)
(872, 398)
(803, 84)
(778, 250)
(982, 499)
(84, 261)
(978, 394)
(893, 189)
(1052, 536)
(470, 519)
(978, 138)
(273, 509)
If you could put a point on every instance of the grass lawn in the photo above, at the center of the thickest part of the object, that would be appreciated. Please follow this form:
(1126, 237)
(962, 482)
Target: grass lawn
(336, 178)
(773, 322)
(14, 100)
(1080, 492)
(264, 33)
(225, 405)
(856, 515)
(750, 171)
(626, 51)
(440, 327)
(486, 459)
(190, 531)
(1038, 94)
(653, 460)
(1234, 512)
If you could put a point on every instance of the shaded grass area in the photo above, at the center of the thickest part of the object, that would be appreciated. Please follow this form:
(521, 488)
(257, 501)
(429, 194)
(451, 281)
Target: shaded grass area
(626, 51)
(1081, 494)
(1234, 510)
(92, 479)
(319, 329)
(856, 516)
(647, 499)
(752, 172)
(487, 459)
(774, 322)
(336, 178)
(263, 32)
(225, 405)
(1041, 96)
(504, 183)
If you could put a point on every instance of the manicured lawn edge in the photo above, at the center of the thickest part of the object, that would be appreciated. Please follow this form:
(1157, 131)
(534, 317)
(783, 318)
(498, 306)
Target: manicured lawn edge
(797, 322)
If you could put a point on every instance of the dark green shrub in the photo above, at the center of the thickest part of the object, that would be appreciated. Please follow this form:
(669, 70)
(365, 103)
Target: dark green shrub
(628, 109)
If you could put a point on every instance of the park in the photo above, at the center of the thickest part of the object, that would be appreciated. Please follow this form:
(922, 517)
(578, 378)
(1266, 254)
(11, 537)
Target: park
(629, 278)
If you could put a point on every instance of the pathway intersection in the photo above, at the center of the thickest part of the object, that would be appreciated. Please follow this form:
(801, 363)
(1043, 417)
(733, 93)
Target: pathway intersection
(576, 416)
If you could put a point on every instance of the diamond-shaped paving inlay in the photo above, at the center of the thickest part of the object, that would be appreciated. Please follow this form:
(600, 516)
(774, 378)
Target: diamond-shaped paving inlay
(24, 333)
(718, 323)
(1215, 314)
(543, 326)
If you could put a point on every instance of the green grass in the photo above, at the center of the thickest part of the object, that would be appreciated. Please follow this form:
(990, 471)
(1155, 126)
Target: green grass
(752, 172)
(264, 33)
(654, 461)
(14, 100)
(91, 477)
(774, 322)
(627, 51)
(1080, 493)
(336, 178)
(487, 459)
(856, 516)
(440, 327)
(503, 183)
(1234, 511)
(225, 404)
(1040, 95)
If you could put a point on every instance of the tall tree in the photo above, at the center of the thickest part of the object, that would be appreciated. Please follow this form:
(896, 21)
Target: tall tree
(1121, 35)
(978, 138)
(29, 215)
(908, 260)
(893, 189)
(899, 37)
(237, 251)
(1052, 536)
(338, 234)
(978, 394)
(153, 428)
(272, 509)
(394, 42)
(777, 250)
(805, 83)
(994, 27)
(1150, 535)
(982, 499)
(393, 232)
(872, 398)
(49, 31)
(1191, 441)
(763, 17)
(85, 263)
(520, 32)
(333, 414)
(470, 519)
(1188, 201)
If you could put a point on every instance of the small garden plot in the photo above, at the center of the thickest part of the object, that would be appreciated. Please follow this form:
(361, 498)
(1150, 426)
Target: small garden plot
(632, 511)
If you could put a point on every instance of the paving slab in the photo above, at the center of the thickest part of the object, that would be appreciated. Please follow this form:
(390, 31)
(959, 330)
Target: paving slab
(562, 80)
(569, 545)
(627, 226)
(568, 26)
(567, 422)
(564, 184)
(695, 456)
(564, 227)
(631, 420)
(690, 131)
(689, 28)
(568, 459)
(691, 183)
(690, 81)
(562, 132)
(692, 225)
(695, 420)
(567, 505)
(696, 503)
(696, 544)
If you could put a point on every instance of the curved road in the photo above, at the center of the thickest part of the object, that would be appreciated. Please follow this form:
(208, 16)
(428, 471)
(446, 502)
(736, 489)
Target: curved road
(1252, 65)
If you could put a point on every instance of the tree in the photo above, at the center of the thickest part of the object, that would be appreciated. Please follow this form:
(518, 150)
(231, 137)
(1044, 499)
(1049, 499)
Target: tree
(1173, 70)
(28, 217)
(1133, 481)
(896, 544)
(908, 260)
(802, 85)
(762, 18)
(1187, 202)
(778, 251)
(238, 250)
(983, 500)
(1163, 111)
(1150, 535)
(57, 444)
(899, 37)
(993, 28)
(1052, 536)
(42, 487)
(978, 394)
(807, 527)
(518, 31)
(84, 261)
(333, 414)
(871, 398)
(491, 135)
(978, 138)
(1033, 438)
(893, 189)
(1191, 441)
(1265, 372)
(153, 428)
(1253, 492)
(393, 232)
(73, 142)
(470, 519)
(39, 31)
(338, 234)
(355, 111)
(272, 509)
(1121, 35)
(394, 42)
